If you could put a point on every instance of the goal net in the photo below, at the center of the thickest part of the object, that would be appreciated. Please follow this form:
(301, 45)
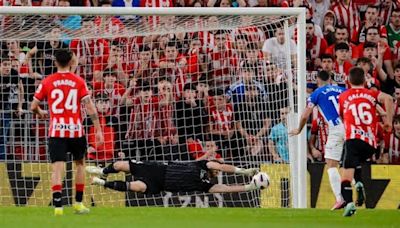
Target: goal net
(169, 85)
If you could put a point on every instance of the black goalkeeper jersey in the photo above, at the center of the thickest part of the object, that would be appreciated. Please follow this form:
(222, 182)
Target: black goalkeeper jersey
(187, 177)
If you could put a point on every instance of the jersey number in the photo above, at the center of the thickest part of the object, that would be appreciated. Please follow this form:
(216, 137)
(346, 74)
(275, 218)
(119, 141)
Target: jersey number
(71, 103)
(333, 99)
(361, 113)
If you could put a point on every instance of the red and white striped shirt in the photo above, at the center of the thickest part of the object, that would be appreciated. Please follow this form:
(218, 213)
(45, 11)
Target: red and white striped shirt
(384, 13)
(319, 127)
(392, 145)
(64, 92)
(357, 107)
(347, 15)
(221, 120)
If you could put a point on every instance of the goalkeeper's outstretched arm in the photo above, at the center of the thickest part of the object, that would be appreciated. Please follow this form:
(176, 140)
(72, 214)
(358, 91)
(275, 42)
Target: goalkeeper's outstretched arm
(223, 188)
(231, 169)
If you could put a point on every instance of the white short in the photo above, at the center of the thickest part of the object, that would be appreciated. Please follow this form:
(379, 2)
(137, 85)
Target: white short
(334, 143)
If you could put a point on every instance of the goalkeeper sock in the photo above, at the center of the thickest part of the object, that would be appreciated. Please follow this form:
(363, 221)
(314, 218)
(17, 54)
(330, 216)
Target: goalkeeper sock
(110, 169)
(334, 180)
(56, 189)
(347, 191)
(117, 185)
(79, 188)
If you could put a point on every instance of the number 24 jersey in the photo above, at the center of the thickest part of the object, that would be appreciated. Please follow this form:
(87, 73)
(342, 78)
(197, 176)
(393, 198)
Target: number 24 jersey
(64, 92)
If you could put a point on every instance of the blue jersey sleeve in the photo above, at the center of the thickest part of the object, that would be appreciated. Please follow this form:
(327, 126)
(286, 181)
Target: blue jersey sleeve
(313, 99)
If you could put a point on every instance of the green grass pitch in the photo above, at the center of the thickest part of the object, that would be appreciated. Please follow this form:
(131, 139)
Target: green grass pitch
(24, 217)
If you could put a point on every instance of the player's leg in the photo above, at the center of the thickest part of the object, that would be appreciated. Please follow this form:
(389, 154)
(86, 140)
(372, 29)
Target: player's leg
(121, 186)
(350, 162)
(359, 186)
(116, 167)
(333, 154)
(58, 156)
(78, 147)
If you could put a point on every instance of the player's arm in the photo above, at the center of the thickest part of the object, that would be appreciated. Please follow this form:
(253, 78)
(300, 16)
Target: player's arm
(223, 188)
(303, 120)
(231, 169)
(387, 100)
(92, 113)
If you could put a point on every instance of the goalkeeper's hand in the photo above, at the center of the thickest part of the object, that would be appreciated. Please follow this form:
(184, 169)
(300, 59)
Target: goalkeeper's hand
(248, 172)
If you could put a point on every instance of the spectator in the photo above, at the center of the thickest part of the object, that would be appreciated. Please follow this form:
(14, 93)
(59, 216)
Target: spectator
(370, 81)
(276, 86)
(328, 27)
(196, 59)
(143, 67)
(373, 36)
(204, 150)
(386, 8)
(278, 138)
(274, 49)
(142, 125)
(252, 121)
(376, 60)
(90, 52)
(70, 25)
(347, 14)
(341, 36)
(116, 62)
(173, 62)
(392, 143)
(342, 64)
(165, 128)
(43, 52)
(108, 25)
(190, 115)
(397, 76)
(236, 91)
(371, 20)
(320, 8)
(111, 88)
(222, 60)
(318, 138)
(11, 95)
(253, 34)
(315, 45)
(393, 35)
(110, 128)
(221, 121)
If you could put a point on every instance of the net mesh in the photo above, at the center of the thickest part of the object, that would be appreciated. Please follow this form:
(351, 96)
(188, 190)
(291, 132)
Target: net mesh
(219, 89)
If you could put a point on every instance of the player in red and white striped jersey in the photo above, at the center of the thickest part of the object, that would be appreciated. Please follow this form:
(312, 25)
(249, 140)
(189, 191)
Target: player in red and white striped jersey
(65, 92)
(357, 108)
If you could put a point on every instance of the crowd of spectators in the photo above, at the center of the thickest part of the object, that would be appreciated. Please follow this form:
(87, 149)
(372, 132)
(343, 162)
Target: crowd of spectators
(217, 94)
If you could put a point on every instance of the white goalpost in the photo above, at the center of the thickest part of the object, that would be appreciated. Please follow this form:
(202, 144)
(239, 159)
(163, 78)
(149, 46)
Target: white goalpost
(171, 84)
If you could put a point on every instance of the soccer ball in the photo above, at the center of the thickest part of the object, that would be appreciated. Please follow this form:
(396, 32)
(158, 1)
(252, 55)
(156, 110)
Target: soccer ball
(261, 180)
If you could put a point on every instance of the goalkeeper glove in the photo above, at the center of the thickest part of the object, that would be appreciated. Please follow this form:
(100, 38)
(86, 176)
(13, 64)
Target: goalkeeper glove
(251, 186)
(248, 172)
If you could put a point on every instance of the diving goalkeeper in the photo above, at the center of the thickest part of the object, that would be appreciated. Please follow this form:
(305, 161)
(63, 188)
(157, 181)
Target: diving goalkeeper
(155, 177)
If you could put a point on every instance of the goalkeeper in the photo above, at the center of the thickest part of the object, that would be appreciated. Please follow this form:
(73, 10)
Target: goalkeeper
(155, 177)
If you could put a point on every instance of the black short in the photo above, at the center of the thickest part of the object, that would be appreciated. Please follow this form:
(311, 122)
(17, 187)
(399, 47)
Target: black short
(151, 173)
(59, 148)
(356, 151)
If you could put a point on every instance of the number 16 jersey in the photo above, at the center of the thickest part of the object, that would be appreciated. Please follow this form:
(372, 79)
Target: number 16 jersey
(64, 92)
(357, 107)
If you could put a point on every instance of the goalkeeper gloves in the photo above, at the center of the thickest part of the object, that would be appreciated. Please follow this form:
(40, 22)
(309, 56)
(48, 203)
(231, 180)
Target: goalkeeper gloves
(251, 186)
(248, 172)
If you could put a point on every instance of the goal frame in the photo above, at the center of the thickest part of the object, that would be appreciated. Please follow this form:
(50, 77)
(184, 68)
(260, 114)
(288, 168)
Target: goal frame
(299, 156)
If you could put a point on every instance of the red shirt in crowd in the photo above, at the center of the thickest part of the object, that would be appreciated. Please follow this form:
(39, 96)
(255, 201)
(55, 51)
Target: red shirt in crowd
(107, 149)
(392, 145)
(114, 94)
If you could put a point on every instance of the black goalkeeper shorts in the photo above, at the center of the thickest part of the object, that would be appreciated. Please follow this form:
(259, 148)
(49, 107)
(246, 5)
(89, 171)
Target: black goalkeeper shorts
(59, 148)
(150, 173)
(355, 152)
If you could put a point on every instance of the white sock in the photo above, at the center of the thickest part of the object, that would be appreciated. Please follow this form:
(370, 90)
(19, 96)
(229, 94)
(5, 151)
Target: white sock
(334, 179)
